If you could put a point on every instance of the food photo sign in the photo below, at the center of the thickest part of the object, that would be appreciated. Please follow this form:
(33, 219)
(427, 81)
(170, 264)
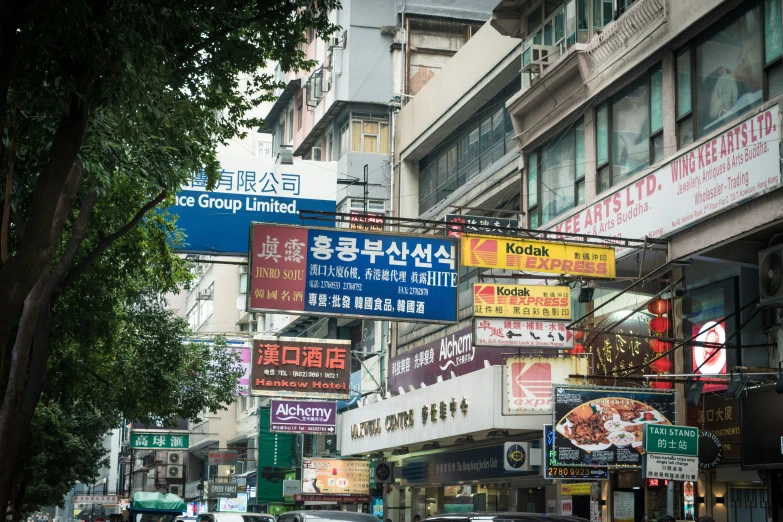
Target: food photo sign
(604, 426)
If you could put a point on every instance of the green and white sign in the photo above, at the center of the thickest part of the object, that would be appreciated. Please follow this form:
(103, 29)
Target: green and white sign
(158, 440)
(671, 440)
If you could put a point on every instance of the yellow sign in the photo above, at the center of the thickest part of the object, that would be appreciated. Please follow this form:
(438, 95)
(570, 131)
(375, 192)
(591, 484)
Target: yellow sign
(580, 488)
(537, 256)
(521, 301)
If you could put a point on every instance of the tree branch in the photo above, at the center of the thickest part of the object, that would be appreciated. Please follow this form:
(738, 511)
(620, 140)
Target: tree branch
(79, 269)
(9, 187)
(75, 241)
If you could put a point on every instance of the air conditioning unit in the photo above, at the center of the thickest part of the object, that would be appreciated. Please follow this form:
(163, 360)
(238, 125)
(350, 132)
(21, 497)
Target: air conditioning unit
(160, 457)
(174, 472)
(540, 56)
(176, 489)
(175, 457)
(771, 276)
(384, 472)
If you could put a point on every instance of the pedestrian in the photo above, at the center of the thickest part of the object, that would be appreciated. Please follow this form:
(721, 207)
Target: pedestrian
(416, 518)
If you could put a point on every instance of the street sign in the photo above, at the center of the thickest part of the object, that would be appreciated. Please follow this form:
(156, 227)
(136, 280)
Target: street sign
(671, 467)
(521, 333)
(671, 440)
(158, 441)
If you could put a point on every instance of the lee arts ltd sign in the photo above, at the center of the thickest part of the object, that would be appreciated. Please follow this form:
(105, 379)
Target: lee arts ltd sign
(338, 272)
(734, 167)
(250, 189)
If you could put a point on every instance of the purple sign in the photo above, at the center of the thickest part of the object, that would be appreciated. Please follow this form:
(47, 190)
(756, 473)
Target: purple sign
(300, 416)
(453, 354)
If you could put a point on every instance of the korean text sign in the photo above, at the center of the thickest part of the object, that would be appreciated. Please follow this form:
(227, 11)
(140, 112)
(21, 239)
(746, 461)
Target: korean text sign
(352, 273)
(336, 476)
(538, 256)
(250, 189)
(605, 426)
(523, 301)
(300, 367)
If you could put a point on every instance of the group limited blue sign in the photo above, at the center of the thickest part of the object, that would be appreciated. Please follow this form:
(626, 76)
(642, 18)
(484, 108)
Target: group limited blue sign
(250, 189)
(351, 273)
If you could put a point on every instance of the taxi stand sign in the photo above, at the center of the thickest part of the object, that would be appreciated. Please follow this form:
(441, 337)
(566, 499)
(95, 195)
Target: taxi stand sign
(671, 452)
(538, 256)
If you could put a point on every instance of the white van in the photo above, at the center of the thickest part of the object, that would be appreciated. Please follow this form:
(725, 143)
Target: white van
(235, 517)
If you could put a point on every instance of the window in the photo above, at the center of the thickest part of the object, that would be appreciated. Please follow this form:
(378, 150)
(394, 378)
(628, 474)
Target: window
(629, 130)
(205, 306)
(316, 154)
(729, 70)
(264, 148)
(299, 113)
(481, 141)
(345, 135)
(193, 318)
(556, 176)
(366, 133)
(291, 126)
(328, 154)
(243, 283)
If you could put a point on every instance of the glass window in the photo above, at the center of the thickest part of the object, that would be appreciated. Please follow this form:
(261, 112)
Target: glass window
(773, 39)
(356, 136)
(498, 130)
(452, 157)
(602, 13)
(443, 171)
(683, 83)
(299, 113)
(582, 20)
(291, 125)
(729, 72)
(559, 26)
(570, 23)
(532, 179)
(656, 99)
(557, 177)
(384, 138)
(658, 148)
(580, 150)
(534, 19)
(602, 134)
(370, 139)
(685, 132)
(630, 132)
(775, 80)
(548, 32)
(473, 145)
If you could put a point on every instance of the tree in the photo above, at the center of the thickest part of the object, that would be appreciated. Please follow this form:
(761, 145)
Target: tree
(107, 108)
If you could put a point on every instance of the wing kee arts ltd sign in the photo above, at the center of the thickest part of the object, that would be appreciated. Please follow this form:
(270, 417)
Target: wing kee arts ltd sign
(299, 367)
(521, 301)
(735, 166)
(605, 426)
(250, 189)
(452, 353)
(338, 272)
(537, 256)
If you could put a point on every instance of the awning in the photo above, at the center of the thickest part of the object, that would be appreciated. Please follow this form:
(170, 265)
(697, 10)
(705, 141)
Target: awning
(318, 128)
(280, 105)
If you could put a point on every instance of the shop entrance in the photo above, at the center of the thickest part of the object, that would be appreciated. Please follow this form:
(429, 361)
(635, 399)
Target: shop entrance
(749, 504)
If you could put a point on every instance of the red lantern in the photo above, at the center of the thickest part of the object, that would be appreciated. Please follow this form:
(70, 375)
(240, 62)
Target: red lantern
(578, 348)
(658, 346)
(659, 324)
(662, 385)
(661, 365)
(659, 307)
(579, 334)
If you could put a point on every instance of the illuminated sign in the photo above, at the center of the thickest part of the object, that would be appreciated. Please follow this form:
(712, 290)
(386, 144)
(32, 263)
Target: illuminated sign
(538, 256)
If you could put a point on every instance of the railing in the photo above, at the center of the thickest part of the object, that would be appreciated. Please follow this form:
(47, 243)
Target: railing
(642, 17)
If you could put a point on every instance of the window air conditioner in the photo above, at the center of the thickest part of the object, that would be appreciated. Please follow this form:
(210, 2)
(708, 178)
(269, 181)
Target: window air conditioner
(176, 489)
(174, 472)
(540, 57)
(175, 457)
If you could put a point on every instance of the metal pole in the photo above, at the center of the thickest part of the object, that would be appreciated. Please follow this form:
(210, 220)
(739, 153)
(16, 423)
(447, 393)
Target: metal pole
(366, 190)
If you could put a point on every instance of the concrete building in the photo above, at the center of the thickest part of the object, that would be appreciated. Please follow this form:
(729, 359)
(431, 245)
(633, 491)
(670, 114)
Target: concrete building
(651, 121)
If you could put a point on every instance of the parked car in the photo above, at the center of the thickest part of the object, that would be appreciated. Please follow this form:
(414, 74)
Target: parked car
(326, 516)
(502, 517)
(235, 517)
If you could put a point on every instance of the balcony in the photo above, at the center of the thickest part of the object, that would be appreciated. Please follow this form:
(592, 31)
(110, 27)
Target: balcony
(642, 19)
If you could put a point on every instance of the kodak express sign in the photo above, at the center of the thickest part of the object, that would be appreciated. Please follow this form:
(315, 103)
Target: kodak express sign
(523, 301)
(538, 256)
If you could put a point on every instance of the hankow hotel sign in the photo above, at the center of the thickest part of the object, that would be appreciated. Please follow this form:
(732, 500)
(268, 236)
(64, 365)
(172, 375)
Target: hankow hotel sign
(250, 189)
(736, 166)
(350, 273)
(299, 367)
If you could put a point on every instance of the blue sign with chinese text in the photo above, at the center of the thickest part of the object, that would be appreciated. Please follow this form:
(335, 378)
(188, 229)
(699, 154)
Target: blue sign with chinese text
(351, 273)
(250, 189)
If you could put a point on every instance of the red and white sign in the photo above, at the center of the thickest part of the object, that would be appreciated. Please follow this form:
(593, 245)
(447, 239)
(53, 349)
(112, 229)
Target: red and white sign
(527, 382)
(735, 166)
(95, 499)
(520, 333)
(713, 358)
(566, 506)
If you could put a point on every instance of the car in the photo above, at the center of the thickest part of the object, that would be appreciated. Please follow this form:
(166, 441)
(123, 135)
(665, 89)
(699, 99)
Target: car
(502, 517)
(326, 516)
(185, 518)
(235, 517)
